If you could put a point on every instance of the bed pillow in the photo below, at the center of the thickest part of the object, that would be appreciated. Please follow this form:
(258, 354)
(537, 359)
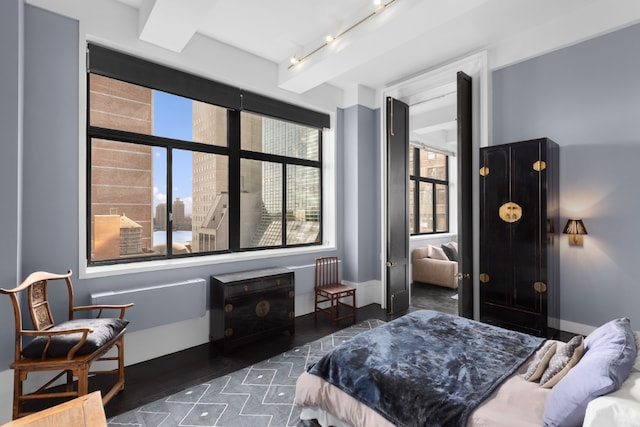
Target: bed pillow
(436, 252)
(609, 354)
(566, 357)
(450, 252)
(540, 361)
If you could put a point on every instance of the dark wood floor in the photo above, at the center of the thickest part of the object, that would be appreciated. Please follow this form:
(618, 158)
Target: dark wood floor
(153, 379)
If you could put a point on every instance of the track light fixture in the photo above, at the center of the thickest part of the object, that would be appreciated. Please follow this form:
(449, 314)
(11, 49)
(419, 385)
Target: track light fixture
(379, 7)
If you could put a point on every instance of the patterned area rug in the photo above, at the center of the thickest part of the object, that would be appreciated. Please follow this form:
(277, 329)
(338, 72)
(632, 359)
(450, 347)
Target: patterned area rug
(256, 396)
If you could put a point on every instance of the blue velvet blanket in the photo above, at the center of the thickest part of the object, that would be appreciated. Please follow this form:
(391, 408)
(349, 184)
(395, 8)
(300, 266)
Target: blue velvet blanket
(426, 368)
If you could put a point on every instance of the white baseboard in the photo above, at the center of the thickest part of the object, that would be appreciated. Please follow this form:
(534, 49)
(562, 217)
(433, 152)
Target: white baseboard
(151, 343)
(576, 328)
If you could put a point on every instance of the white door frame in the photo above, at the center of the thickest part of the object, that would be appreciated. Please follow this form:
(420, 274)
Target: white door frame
(428, 85)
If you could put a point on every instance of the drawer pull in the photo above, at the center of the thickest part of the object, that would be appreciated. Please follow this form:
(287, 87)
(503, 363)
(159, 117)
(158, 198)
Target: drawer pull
(262, 308)
(228, 332)
(245, 288)
(228, 308)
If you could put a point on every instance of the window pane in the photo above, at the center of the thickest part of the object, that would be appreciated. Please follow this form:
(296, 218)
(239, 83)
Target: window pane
(260, 203)
(442, 207)
(426, 208)
(200, 191)
(303, 205)
(121, 200)
(124, 106)
(412, 191)
(272, 136)
(412, 151)
(433, 165)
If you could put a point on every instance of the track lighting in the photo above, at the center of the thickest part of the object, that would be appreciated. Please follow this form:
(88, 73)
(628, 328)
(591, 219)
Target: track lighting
(379, 7)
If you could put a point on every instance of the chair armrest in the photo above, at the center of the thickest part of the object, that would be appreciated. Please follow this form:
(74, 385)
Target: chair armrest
(420, 253)
(122, 308)
(49, 334)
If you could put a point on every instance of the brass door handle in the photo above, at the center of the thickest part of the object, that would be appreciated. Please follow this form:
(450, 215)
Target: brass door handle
(461, 276)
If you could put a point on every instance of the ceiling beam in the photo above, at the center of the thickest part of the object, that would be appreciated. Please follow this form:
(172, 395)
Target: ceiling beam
(171, 24)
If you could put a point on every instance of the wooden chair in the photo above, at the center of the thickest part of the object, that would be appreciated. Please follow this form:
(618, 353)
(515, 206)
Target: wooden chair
(83, 411)
(329, 289)
(69, 347)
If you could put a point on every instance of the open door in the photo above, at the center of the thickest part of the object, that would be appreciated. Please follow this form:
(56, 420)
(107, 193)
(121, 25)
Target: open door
(465, 204)
(397, 250)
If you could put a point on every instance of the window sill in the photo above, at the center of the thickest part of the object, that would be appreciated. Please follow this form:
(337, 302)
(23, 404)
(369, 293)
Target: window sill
(88, 272)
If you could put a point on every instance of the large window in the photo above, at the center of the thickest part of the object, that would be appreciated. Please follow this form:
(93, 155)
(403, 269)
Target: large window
(428, 192)
(178, 167)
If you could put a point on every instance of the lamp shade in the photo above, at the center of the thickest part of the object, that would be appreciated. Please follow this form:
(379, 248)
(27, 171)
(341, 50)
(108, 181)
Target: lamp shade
(574, 226)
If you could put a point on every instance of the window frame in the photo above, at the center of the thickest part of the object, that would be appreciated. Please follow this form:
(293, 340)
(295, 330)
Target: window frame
(414, 175)
(118, 66)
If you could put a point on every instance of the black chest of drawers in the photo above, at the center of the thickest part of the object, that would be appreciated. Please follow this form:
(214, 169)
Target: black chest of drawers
(249, 305)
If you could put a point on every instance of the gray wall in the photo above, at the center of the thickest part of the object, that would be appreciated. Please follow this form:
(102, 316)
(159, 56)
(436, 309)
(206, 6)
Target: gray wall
(11, 47)
(361, 187)
(586, 98)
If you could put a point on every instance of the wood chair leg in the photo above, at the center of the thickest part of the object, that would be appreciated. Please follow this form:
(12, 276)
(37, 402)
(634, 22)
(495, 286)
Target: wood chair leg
(83, 380)
(17, 393)
(120, 345)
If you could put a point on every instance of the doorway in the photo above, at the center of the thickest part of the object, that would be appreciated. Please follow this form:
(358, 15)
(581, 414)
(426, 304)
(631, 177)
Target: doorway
(432, 99)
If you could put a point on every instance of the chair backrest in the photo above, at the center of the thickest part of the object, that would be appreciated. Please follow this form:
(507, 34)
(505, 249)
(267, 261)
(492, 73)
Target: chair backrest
(37, 301)
(327, 271)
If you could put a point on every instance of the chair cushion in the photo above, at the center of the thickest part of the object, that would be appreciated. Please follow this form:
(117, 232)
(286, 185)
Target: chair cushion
(104, 330)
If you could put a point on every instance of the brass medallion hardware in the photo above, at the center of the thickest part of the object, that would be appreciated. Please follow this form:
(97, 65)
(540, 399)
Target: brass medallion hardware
(484, 278)
(484, 171)
(277, 281)
(245, 288)
(510, 212)
(228, 308)
(228, 332)
(262, 308)
(540, 287)
(539, 166)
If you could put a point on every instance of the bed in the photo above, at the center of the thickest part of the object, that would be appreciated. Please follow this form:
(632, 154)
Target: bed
(431, 368)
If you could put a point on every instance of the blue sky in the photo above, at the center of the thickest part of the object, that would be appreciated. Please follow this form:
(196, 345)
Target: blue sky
(172, 119)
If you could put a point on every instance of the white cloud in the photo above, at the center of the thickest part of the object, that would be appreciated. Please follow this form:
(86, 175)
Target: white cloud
(158, 196)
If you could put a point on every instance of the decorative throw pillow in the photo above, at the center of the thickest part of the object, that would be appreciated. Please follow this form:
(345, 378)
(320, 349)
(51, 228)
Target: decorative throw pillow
(609, 354)
(437, 253)
(540, 361)
(450, 252)
(566, 357)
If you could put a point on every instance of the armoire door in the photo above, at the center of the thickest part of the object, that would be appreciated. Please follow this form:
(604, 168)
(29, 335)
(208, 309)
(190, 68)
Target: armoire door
(513, 236)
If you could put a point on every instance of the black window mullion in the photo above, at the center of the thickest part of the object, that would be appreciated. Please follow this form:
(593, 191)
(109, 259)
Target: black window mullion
(233, 141)
(284, 204)
(169, 223)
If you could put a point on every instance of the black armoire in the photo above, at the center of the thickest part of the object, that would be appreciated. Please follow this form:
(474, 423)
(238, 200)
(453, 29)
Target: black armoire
(519, 223)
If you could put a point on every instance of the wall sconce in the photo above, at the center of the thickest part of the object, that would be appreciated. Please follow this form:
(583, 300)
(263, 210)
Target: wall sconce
(575, 229)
